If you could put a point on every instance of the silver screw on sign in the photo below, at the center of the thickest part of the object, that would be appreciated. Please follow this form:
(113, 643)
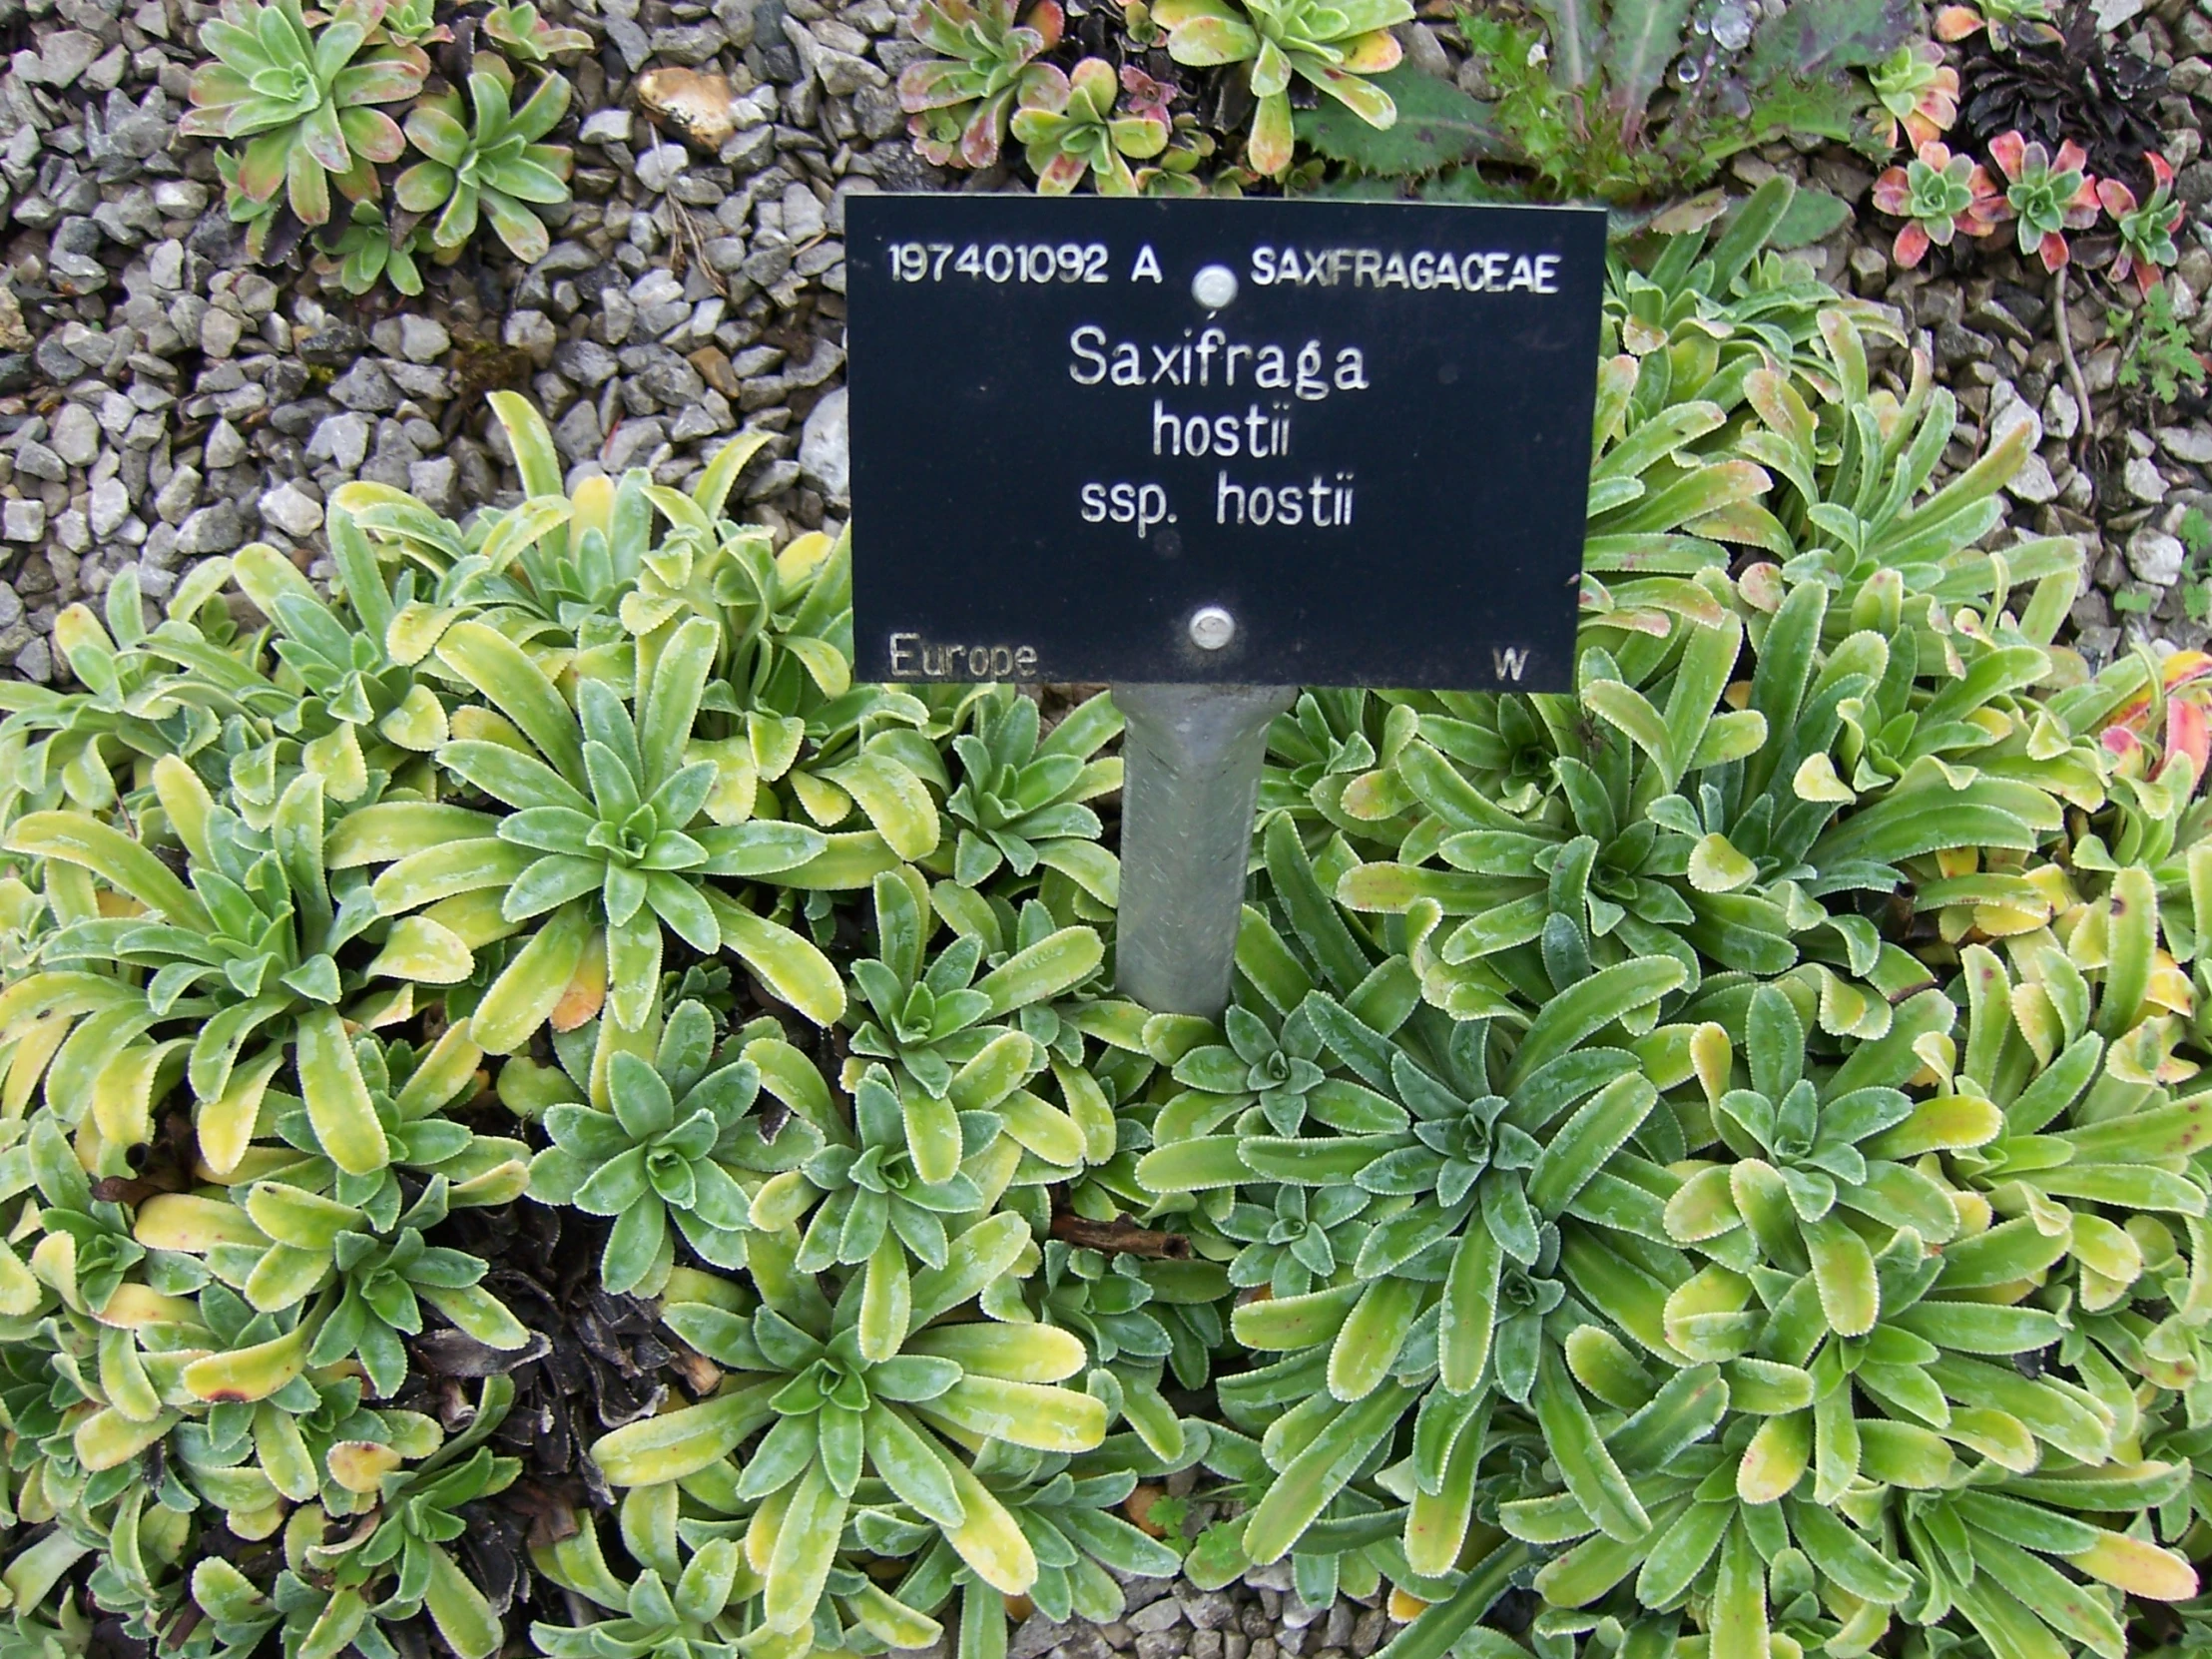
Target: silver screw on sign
(1212, 628)
(1213, 286)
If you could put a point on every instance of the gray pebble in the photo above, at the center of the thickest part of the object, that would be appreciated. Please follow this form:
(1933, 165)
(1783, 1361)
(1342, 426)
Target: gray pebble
(659, 166)
(635, 45)
(179, 496)
(779, 62)
(2155, 556)
(255, 292)
(291, 510)
(1337, 1628)
(577, 433)
(422, 339)
(803, 217)
(111, 505)
(76, 434)
(435, 483)
(670, 381)
(604, 126)
(700, 420)
(2143, 481)
(62, 57)
(2187, 443)
(332, 345)
(419, 380)
(633, 444)
(225, 447)
(35, 662)
(23, 519)
(1164, 1614)
(1206, 1609)
(220, 332)
(533, 331)
(212, 529)
(748, 150)
(767, 265)
(689, 44)
(366, 386)
(878, 112)
(342, 441)
(35, 460)
(825, 462)
(1036, 1636)
(181, 199)
(585, 361)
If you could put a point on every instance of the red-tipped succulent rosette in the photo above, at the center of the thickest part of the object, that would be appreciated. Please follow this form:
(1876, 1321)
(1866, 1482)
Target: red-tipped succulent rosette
(1939, 194)
(2047, 195)
(2147, 228)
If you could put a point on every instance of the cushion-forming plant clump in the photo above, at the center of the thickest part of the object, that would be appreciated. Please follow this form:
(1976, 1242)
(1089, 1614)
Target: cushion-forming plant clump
(1717, 1151)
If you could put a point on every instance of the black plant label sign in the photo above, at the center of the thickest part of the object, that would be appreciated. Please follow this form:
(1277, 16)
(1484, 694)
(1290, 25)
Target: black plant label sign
(1263, 442)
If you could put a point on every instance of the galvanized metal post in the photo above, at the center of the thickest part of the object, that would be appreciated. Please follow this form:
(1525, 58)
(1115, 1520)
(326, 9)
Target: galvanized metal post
(1191, 755)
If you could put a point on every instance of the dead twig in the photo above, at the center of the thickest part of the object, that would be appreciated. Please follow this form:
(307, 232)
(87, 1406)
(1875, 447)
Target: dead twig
(2074, 380)
(1121, 1235)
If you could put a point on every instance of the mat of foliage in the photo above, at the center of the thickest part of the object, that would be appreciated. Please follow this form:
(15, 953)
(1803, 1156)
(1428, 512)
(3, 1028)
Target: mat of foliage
(534, 1111)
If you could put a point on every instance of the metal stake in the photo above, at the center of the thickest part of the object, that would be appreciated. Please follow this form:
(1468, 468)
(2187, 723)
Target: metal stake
(1192, 757)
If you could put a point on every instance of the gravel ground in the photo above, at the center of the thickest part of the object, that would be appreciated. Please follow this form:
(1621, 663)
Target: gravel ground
(1259, 1617)
(162, 400)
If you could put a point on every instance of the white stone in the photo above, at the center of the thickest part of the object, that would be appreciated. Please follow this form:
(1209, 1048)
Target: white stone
(64, 55)
(606, 126)
(659, 166)
(291, 510)
(165, 265)
(2008, 412)
(342, 441)
(226, 447)
(23, 521)
(220, 332)
(804, 218)
(76, 434)
(2187, 443)
(422, 339)
(2034, 482)
(532, 332)
(825, 448)
(2111, 14)
(2062, 414)
(111, 505)
(431, 482)
(657, 287)
(2155, 557)
(2143, 480)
